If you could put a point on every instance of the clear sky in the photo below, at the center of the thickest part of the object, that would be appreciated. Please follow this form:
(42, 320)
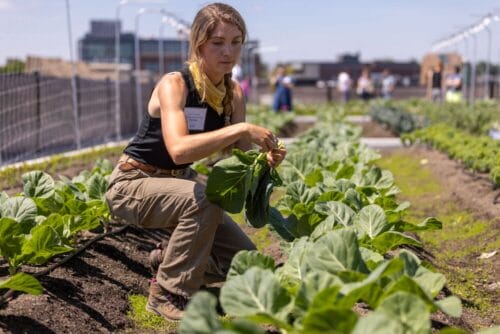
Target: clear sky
(296, 29)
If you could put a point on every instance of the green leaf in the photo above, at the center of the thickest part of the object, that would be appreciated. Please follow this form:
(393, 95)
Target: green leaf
(411, 312)
(241, 326)
(378, 323)
(21, 209)
(451, 306)
(297, 165)
(371, 258)
(335, 252)
(340, 212)
(345, 172)
(329, 320)
(256, 293)
(429, 224)
(257, 203)
(294, 267)
(23, 282)
(229, 184)
(244, 260)
(371, 221)
(201, 315)
(62, 225)
(38, 184)
(314, 283)
(391, 239)
(96, 186)
(314, 177)
(285, 227)
(353, 199)
(46, 206)
(11, 237)
(44, 244)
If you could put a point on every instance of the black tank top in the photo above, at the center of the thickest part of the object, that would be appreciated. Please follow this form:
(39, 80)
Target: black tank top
(436, 79)
(148, 146)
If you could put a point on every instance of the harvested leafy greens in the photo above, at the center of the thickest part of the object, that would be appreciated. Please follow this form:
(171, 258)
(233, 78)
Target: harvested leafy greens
(245, 179)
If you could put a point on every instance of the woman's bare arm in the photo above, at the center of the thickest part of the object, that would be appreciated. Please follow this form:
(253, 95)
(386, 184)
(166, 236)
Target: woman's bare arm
(186, 148)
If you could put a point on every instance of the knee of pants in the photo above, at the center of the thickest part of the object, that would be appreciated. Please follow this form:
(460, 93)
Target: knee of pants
(209, 212)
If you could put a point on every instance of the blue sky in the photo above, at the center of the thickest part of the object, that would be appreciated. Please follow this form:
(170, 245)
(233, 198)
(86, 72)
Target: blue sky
(296, 29)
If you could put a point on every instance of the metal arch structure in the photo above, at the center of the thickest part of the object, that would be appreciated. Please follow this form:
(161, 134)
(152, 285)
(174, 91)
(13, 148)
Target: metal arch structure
(471, 31)
(183, 30)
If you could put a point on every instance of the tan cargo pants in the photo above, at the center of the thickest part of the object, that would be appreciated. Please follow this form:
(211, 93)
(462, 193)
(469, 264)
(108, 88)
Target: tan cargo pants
(203, 239)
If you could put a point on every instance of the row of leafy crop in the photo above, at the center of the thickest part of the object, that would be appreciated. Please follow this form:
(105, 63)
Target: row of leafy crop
(264, 116)
(479, 153)
(409, 115)
(44, 219)
(343, 225)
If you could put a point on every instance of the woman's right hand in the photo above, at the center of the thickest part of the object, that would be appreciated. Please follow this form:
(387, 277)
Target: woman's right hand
(262, 137)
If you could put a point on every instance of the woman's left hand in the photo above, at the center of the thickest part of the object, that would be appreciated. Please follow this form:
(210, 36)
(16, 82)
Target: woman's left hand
(276, 156)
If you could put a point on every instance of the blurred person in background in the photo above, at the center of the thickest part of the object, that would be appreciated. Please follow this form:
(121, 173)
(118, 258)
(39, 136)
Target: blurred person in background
(282, 85)
(435, 83)
(453, 85)
(388, 84)
(365, 88)
(344, 84)
(191, 115)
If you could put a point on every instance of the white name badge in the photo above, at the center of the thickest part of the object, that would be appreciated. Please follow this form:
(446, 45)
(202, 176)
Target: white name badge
(195, 117)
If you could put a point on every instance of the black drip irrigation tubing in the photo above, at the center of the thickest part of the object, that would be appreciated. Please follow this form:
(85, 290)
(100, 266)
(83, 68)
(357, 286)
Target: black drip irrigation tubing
(11, 294)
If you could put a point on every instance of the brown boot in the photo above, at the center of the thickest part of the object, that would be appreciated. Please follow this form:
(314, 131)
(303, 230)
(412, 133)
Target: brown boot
(165, 303)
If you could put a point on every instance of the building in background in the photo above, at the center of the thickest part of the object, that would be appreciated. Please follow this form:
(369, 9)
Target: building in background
(309, 73)
(98, 46)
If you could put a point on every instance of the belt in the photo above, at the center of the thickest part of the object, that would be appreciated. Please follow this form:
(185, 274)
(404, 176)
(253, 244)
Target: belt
(126, 163)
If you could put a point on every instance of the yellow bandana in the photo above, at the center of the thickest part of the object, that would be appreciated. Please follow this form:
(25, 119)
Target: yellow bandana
(210, 93)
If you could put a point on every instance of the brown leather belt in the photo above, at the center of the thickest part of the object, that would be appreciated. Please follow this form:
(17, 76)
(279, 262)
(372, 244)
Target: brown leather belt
(126, 163)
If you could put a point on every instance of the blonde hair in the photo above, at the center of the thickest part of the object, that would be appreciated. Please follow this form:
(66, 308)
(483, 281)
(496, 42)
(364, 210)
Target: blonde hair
(202, 28)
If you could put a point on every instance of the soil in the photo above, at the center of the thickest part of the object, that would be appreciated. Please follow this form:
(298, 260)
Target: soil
(89, 293)
(476, 194)
(375, 130)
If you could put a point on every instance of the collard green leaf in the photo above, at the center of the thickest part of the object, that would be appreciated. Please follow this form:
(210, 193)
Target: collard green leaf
(335, 252)
(314, 177)
(96, 186)
(257, 203)
(22, 282)
(340, 213)
(297, 165)
(411, 312)
(371, 221)
(38, 184)
(294, 267)
(244, 260)
(378, 323)
(285, 227)
(11, 237)
(256, 293)
(314, 283)
(371, 258)
(43, 244)
(62, 225)
(451, 306)
(201, 315)
(21, 209)
(229, 183)
(429, 224)
(392, 239)
(353, 199)
(329, 320)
